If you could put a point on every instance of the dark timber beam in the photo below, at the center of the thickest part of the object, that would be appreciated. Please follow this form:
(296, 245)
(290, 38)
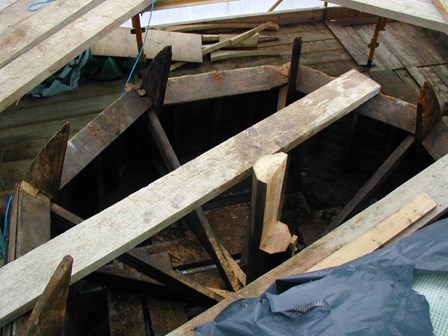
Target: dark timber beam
(197, 221)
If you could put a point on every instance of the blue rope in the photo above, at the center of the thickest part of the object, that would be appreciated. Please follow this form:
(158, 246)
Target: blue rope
(37, 5)
(5, 229)
(142, 49)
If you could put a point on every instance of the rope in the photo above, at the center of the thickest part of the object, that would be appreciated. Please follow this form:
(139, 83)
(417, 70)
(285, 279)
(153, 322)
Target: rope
(3, 242)
(37, 5)
(142, 49)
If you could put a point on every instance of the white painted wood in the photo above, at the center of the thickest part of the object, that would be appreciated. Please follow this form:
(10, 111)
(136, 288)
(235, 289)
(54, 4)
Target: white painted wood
(121, 43)
(28, 32)
(6, 3)
(122, 226)
(26, 71)
(416, 12)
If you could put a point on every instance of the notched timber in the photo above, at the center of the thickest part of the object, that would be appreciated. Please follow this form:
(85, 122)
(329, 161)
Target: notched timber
(46, 170)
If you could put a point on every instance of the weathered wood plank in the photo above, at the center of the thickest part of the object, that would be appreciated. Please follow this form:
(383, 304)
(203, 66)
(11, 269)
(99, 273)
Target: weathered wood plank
(26, 71)
(117, 229)
(224, 83)
(436, 141)
(380, 234)
(100, 132)
(27, 33)
(383, 108)
(432, 181)
(420, 13)
(121, 43)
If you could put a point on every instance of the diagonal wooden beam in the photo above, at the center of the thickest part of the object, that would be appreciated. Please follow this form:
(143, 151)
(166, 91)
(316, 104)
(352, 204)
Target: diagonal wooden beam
(89, 142)
(377, 179)
(131, 221)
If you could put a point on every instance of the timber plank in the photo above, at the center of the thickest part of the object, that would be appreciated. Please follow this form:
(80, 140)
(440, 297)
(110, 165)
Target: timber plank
(380, 234)
(383, 108)
(224, 83)
(414, 45)
(26, 33)
(436, 141)
(117, 229)
(354, 46)
(26, 71)
(100, 132)
(398, 48)
(415, 12)
(392, 85)
(432, 181)
(121, 43)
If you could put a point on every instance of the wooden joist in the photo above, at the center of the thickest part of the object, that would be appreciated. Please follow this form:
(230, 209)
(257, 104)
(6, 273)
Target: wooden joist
(432, 181)
(418, 12)
(121, 43)
(377, 179)
(119, 228)
(29, 69)
(18, 38)
(389, 110)
(381, 233)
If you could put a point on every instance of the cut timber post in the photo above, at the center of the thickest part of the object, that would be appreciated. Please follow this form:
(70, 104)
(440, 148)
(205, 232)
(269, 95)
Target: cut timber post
(47, 317)
(432, 181)
(266, 232)
(142, 214)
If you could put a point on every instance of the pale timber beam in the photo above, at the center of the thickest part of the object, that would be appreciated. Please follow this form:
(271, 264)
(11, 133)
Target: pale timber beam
(267, 235)
(420, 13)
(389, 110)
(432, 181)
(131, 221)
(31, 68)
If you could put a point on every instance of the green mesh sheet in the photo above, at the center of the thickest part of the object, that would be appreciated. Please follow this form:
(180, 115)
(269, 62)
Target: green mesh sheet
(435, 288)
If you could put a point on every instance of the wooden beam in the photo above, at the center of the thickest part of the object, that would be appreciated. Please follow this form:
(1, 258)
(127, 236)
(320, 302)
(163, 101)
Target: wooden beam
(211, 26)
(176, 281)
(21, 37)
(47, 317)
(236, 40)
(197, 220)
(121, 43)
(419, 13)
(377, 179)
(224, 83)
(266, 235)
(31, 68)
(431, 181)
(381, 233)
(90, 141)
(221, 55)
(435, 142)
(442, 6)
(389, 110)
(117, 229)
(46, 170)
(428, 111)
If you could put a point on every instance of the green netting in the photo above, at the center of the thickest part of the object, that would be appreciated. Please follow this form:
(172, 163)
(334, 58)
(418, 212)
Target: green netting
(435, 288)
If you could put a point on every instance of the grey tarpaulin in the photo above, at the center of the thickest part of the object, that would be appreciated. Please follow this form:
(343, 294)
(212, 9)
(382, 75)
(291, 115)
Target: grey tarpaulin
(369, 296)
